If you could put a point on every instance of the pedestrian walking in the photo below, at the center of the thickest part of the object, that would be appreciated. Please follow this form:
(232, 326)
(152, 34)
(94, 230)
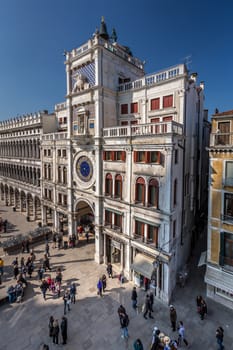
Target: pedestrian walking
(63, 327)
(219, 337)
(99, 287)
(27, 245)
(109, 270)
(55, 331)
(54, 239)
(121, 310)
(147, 307)
(138, 345)
(73, 292)
(151, 295)
(44, 286)
(134, 298)
(173, 317)
(181, 334)
(51, 320)
(155, 344)
(16, 271)
(104, 282)
(203, 309)
(46, 263)
(40, 272)
(124, 321)
(66, 299)
(47, 249)
(198, 303)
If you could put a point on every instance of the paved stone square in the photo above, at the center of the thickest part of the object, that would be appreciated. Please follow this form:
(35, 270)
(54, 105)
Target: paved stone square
(93, 322)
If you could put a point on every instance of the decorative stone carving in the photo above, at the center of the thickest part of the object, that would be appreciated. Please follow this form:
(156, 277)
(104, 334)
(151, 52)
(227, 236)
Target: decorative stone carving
(81, 83)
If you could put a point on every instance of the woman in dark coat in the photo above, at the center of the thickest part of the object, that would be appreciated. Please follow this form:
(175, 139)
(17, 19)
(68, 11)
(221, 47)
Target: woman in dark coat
(55, 331)
(51, 320)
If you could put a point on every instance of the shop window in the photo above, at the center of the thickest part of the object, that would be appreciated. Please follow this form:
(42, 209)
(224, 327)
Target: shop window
(167, 101)
(108, 185)
(228, 206)
(153, 193)
(155, 104)
(134, 107)
(152, 235)
(140, 191)
(118, 186)
(124, 108)
(108, 218)
(226, 249)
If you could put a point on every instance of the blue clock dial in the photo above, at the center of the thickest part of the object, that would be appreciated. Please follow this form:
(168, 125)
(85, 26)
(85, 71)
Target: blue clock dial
(84, 168)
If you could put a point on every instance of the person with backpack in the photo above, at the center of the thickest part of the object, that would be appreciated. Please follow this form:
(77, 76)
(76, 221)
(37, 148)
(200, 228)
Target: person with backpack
(124, 321)
(138, 345)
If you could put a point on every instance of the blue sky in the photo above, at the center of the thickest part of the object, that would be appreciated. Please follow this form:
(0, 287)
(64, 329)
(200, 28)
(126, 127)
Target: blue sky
(34, 34)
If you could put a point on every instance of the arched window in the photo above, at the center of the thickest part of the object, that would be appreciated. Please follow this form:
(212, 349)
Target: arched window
(153, 193)
(140, 191)
(64, 176)
(108, 185)
(118, 186)
(59, 174)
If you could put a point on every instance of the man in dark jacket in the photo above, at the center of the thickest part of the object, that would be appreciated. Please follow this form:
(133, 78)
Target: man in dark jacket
(134, 297)
(64, 329)
(147, 307)
(124, 321)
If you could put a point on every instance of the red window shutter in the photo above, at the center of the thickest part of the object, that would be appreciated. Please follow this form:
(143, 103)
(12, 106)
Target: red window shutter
(123, 156)
(167, 119)
(124, 108)
(167, 101)
(135, 156)
(134, 107)
(155, 120)
(155, 104)
(147, 157)
(159, 157)
(104, 155)
(112, 155)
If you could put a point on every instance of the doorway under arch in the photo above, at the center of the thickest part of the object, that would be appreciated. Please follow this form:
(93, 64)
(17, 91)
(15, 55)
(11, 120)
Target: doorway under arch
(85, 221)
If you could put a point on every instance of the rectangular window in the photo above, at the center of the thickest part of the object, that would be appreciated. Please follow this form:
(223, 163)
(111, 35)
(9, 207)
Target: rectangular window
(59, 153)
(65, 120)
(123, 123)
(228, 206)
(139, 228)
(117, 221)
(65, 199)
(155, 104)
(154, 157)
(134, 107)
(118, 155)
(45, 192)
(64, 153)
(50, 194)
(141, 156)
(229, 174)
(186, 185)
(45, 152)
(108, 155)
(59, 198)
(167, 101)
(176, 156)
(108, 218)
(49, 152)
(174, 229)
(124, 108)
(223, 137)
(226, 249)
(152, 235)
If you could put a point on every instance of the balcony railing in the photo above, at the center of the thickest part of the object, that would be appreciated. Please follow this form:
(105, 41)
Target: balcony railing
(144, 129)
(221, 139)
(55, 136)
(114, 227)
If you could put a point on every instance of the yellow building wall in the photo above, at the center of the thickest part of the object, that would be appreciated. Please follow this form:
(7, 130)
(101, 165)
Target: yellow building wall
(215, 246)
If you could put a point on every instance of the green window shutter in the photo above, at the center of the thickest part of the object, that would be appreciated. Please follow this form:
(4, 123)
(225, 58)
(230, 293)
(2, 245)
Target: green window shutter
(222, 249)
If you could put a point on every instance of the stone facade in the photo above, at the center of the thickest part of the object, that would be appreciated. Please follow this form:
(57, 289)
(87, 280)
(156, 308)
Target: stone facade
(125, 154)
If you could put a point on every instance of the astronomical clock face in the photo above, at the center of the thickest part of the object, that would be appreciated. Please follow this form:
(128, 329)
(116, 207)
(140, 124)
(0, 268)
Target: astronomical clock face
(84, 168)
